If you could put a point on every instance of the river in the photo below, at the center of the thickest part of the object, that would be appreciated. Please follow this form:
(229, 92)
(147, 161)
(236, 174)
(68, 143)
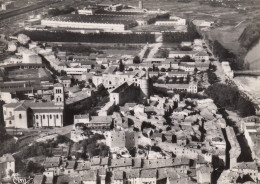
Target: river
(253, 57)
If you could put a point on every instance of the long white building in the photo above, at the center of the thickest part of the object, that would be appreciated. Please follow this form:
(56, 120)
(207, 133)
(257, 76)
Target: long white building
(106, 23)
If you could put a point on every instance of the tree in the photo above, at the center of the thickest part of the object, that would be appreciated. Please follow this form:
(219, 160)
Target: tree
(185, 48)
(163, 70)
(121, 66)
(187, 58)
(136, 60)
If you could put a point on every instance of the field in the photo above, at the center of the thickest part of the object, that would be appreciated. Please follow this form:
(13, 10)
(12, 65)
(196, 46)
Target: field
(29, 74)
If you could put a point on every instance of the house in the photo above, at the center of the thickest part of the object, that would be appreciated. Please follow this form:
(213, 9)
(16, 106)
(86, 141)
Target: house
(117, 177)
(39, 179)
(95, 163)
(121, 163)
(52, 164)
(133, 176)
(70, 167)
(82, 166)
(115, 139)
(104, 162)
(148, 176)
(89, 177)
(82, 118)
(7, 165)
(65, 80)
(204, 174)
(100, 122)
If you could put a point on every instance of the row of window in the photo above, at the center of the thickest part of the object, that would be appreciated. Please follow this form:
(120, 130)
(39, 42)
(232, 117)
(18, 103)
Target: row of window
(50, 116)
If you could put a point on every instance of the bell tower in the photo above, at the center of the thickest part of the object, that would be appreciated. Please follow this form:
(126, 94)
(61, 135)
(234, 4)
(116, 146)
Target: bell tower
(58, 91)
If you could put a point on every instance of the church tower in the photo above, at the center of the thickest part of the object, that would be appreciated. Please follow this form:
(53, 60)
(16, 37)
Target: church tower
(145, 85)
(58, 91)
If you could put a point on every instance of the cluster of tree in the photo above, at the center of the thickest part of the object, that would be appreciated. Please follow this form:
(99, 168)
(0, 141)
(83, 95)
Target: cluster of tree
(162, 53)
(230, 98)
(163, 16)
(61, 11)
(190, 35)
(27, 169)
(92, 148)
(78, 49)
(42, 148)
(136, 60)
(225, 55)
(7, 145)
(64, 36)
(187, 58)
(2, 123)
(185, 48)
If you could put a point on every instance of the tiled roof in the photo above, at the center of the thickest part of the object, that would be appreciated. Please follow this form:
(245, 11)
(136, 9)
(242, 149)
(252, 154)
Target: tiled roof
(151, 173)
(84, 165)
(118, 175)
(71, 164)
(132, 173)
(121, 162)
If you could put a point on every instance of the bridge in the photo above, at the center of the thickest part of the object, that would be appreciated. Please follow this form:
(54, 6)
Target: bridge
(247, 72)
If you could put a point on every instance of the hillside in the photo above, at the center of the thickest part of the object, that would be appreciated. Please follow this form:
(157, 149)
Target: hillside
(250, 36)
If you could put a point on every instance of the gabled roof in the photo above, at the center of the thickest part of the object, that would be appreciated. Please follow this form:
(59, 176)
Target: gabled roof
(7, 158)
(21, 107)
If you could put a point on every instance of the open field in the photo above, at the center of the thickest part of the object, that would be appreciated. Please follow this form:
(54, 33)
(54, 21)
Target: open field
(29, 74)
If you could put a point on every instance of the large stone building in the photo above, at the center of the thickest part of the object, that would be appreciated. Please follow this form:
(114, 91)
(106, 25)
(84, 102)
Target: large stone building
(127, 86)
(98, 22)
(35, 114)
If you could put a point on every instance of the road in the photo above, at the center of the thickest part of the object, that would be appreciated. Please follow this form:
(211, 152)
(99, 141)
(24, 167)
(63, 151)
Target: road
(154, 50)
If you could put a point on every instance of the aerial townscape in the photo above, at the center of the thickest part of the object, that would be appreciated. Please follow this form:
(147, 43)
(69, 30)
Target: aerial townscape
(129, 92)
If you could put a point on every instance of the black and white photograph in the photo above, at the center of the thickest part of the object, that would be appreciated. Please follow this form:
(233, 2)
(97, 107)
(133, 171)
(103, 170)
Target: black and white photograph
(129, 92)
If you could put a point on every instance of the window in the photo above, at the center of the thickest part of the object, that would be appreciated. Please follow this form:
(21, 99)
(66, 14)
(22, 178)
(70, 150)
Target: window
(10, 122)
(20, 116)
(36, 117)
(57, 116)
(43, 116)
(50, 116)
